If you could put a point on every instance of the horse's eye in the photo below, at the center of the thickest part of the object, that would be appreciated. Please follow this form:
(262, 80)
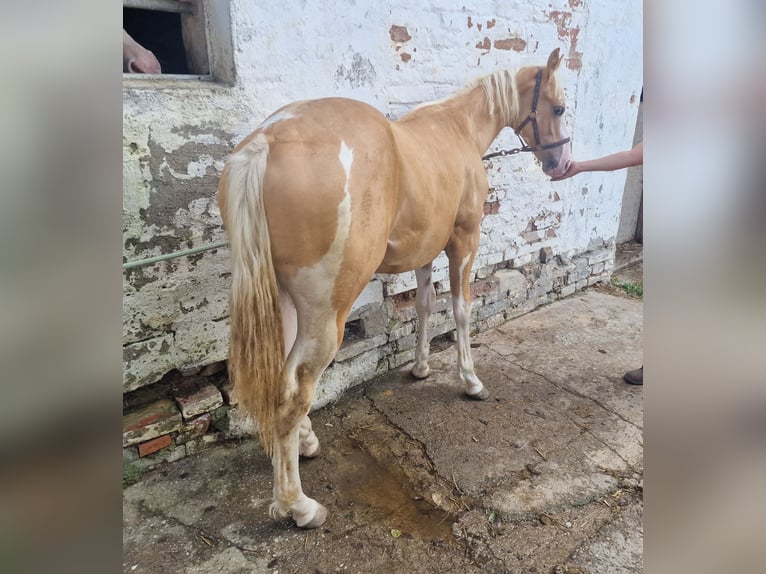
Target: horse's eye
(558, 110)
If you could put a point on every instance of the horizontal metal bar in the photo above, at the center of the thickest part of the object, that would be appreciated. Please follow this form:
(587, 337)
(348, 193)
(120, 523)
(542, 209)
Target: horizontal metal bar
(158, 258)
(160, 5)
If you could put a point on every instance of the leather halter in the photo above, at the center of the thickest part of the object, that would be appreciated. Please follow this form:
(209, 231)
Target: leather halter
(531, 118)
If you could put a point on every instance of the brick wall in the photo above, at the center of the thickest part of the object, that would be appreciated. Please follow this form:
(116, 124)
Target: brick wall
(181, 414)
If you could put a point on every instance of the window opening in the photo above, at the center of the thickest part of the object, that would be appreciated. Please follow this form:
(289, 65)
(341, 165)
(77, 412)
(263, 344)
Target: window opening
(173, 30)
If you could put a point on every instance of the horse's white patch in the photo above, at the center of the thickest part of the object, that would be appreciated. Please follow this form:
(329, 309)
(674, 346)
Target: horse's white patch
(322, 275)
(463, 264)
(462, 312)
(346, 158)
(275, 118)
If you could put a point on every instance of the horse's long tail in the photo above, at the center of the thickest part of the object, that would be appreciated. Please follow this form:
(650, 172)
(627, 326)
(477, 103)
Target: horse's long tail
(257, 345)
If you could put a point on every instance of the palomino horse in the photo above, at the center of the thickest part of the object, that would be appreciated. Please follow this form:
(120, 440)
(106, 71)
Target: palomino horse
(327, 192)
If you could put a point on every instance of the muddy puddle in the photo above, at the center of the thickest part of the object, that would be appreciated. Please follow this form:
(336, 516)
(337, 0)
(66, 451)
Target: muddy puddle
(383, 492)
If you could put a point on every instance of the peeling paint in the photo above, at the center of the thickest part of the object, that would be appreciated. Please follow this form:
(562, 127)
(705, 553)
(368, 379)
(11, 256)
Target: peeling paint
(516, 44)
(490, 23)
(565, 32)
(491, 207)
(484, 44)
(399, 34)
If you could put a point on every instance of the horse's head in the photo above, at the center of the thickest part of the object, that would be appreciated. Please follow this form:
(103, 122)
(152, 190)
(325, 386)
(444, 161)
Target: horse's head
(539, 120)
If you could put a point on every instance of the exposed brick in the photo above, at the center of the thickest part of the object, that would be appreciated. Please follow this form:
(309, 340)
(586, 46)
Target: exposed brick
(567, 290)
(494, 295)
(405, 311)
(521, 260)
(399, 34)
(436, 320)
(532, 236)
(482, 287)
(493, 309)
(407, 342)
(541, 287)
(546, 254)
(150, 421)
(194, 428)
(492, 322)
(399, 359)
(152, 446)
(598, 255)
(442, 328)
(581, 271)
(401, 331)
(374, 321)
(511, 283)
(200, 400)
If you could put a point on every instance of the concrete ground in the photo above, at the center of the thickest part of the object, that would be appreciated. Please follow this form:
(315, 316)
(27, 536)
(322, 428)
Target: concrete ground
(545, 476)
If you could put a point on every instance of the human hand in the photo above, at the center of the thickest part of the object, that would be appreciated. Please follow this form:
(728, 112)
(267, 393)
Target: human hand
(573, 169)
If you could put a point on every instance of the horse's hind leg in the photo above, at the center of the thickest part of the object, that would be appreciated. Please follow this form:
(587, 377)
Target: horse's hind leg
(461, 252)
(424, 304)
(309, 444)
(315, 345)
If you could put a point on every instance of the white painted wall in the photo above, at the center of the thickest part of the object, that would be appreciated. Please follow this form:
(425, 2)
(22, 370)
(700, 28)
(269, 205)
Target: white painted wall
(176, 137)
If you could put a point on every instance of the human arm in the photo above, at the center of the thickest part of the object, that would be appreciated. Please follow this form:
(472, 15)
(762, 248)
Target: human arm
(619, 160)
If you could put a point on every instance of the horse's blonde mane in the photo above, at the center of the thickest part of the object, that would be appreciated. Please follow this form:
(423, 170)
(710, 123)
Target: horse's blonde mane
(502, 93)
(500, 89)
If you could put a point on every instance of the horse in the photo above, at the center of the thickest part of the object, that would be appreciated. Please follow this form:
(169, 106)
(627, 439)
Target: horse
(136, 59)
(327, 192)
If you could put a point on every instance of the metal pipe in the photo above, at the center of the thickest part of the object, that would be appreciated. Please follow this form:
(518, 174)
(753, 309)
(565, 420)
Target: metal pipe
(167, 256)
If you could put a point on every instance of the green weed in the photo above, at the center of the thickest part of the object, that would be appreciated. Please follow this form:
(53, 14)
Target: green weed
(631, 288)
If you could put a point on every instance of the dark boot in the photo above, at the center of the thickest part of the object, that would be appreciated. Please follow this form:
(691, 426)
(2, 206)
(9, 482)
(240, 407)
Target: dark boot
(635, 377)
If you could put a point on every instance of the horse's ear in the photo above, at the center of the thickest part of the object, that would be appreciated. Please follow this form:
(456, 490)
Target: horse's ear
(554, 60)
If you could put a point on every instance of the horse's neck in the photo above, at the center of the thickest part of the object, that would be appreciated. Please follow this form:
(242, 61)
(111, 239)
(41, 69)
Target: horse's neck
(465, 114)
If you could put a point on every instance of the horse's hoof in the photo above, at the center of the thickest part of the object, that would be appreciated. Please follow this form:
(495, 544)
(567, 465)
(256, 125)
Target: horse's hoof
(311, 454)
(421, 372)
(482, 395)
(318, 520)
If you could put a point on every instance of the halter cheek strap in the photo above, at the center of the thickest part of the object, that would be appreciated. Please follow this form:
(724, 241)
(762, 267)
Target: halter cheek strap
(532, 118)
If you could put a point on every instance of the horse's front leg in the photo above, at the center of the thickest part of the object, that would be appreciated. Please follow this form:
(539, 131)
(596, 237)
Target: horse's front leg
(424, 305)
(461, 252)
